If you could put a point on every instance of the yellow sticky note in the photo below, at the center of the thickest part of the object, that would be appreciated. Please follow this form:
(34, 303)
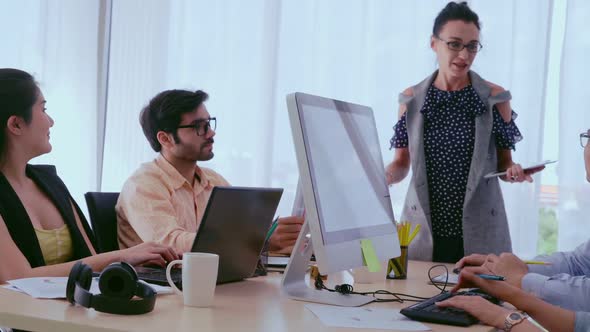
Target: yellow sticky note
(369, 256)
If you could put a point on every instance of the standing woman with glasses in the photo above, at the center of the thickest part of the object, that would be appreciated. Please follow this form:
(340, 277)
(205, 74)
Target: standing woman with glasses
(454, 128)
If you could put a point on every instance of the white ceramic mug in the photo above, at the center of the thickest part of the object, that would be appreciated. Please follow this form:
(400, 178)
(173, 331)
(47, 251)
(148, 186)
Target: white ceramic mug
(199, 277)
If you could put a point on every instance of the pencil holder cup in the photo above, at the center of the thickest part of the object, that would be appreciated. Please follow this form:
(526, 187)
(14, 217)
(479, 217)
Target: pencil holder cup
(397, 268)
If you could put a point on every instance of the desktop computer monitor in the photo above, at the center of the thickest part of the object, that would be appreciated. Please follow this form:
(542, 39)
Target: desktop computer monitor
(346, 198)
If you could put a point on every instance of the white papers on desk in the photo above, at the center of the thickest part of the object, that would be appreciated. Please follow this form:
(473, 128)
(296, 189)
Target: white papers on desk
(13, 288)
(441, 279)
(55, 287)
(364, 318)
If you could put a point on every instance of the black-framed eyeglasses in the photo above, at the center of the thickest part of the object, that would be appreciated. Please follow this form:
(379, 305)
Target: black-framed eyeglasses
(584, 138)
(454, 45)
(202, 126)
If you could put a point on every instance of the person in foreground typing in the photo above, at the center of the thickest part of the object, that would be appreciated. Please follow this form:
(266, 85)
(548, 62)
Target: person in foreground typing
(562, 281)
(551, 317)
(42, 230)
(529, 288)
(564, 278)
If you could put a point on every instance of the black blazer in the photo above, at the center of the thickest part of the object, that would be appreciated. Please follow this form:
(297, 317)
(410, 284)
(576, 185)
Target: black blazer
(19, 224)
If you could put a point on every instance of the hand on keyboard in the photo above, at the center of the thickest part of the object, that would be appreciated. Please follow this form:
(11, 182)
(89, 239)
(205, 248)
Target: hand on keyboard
(475, 304)
(429, 311)
(480, 293)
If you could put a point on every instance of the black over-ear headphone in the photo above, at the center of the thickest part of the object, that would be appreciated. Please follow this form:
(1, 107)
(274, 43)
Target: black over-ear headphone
(118, 284)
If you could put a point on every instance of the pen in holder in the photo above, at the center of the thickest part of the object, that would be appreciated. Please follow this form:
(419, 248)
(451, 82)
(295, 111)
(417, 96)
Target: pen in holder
(261, 269)
(397, 268)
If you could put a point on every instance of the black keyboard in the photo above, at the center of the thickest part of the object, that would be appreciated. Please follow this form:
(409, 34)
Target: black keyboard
(427, 311)
(157, 275)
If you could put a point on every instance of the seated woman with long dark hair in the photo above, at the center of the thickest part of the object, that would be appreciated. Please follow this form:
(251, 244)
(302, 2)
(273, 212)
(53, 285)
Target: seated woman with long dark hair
(42, 230)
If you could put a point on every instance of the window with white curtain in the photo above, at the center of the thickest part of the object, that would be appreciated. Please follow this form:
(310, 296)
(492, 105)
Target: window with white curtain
(56, 41)
(248, 55)
(573, 118)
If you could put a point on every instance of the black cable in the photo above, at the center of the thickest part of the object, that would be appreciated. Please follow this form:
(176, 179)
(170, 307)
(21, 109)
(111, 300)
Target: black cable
(346, 289)
(435, 284)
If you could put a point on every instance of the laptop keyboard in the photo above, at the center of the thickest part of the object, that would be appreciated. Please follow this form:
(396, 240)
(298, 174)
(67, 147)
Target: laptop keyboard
(428, 311)
(158, 275)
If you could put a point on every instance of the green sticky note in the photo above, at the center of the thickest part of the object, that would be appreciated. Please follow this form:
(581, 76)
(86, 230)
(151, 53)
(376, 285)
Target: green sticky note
(369, 256)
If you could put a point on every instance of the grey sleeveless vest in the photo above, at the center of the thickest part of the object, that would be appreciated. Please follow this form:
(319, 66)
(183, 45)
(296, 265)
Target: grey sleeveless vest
(485, 227)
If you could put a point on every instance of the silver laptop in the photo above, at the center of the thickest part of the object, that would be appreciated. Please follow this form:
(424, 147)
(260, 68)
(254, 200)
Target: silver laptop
(234, 226)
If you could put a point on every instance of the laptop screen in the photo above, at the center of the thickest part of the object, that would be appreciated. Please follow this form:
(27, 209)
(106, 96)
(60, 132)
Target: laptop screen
(234, 226)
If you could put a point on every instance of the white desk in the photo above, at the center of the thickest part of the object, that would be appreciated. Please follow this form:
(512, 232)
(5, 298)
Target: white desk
(252, 305)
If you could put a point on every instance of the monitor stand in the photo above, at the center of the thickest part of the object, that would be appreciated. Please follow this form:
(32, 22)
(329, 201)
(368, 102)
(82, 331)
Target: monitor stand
(295, 286)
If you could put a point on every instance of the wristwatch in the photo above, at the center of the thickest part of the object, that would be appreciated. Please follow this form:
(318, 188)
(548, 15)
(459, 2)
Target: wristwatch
(514, 318)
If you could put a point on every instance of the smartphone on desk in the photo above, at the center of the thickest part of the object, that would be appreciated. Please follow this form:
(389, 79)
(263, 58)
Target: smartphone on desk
(442, 279)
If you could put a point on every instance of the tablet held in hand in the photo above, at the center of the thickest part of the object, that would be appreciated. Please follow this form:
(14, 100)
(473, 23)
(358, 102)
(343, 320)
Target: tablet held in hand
(528, 168)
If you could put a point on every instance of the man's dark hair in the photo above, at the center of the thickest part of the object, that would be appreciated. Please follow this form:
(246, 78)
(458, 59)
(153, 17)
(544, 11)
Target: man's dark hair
(165, 111)
(455, 11)
(18, 93)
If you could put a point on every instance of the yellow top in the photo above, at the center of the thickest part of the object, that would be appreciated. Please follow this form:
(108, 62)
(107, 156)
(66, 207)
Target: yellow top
(56, 244)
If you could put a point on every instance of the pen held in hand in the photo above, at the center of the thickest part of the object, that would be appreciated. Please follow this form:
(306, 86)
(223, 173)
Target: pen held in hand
(457, 270)
(537, 263)
(483, 276)
(272, 228)
(491, 277)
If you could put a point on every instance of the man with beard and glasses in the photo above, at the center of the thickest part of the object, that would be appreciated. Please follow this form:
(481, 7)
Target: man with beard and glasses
(164, 200)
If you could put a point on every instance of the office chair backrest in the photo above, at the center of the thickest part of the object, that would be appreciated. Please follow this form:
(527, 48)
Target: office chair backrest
(101, 207)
